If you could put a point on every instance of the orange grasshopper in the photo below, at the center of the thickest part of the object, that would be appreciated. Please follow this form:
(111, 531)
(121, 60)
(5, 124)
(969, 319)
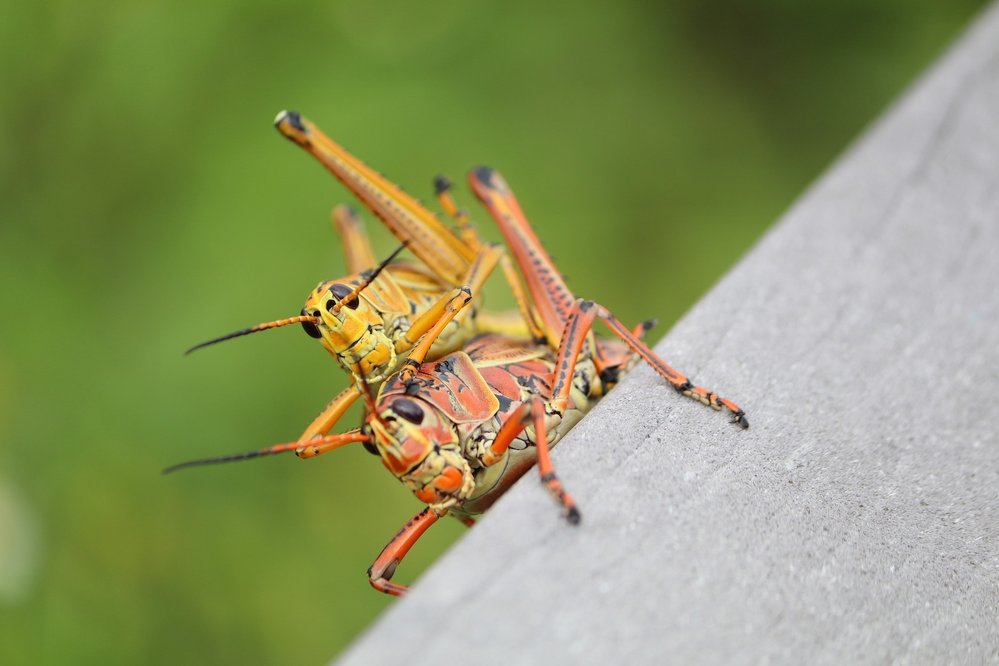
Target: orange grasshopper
(448, 428)
(370, 319)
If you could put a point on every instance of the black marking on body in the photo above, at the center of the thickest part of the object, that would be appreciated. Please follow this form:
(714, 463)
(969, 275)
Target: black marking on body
(445, 366)
(504, 402)
(370, 331)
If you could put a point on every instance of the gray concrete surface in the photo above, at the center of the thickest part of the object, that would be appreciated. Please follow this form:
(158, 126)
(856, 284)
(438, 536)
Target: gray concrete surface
(857, 520)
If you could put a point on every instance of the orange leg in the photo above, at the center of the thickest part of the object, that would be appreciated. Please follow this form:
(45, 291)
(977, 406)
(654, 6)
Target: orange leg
(441, 315)
(581, 317)
(551, 296)
(328, 418)
(356, 245)
(428, 327)
(478, 272)
(613, 357)
(533, 413)
(679, 381)
(383, 568)
(527, 311)
(559, 309)
(408, 220)
(442, 188)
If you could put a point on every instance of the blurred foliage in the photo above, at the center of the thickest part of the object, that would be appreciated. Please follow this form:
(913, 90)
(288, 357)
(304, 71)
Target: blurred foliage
(147, 204)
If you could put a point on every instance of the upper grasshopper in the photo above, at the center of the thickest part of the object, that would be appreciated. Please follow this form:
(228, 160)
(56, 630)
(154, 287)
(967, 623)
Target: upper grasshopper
(394, 312)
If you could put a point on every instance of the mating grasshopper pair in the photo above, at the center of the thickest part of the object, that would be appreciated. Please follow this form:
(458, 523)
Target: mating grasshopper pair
(460, 429)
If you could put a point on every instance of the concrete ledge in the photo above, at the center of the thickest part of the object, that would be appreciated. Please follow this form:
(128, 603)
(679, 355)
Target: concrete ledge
(857, 520)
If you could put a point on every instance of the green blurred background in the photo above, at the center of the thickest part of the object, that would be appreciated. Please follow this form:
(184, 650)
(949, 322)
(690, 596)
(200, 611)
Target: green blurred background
(147, 204)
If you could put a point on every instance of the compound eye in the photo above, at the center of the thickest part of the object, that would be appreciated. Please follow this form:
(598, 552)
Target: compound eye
(368, 446)
(408, 410)
(340, 291)
(310, 328)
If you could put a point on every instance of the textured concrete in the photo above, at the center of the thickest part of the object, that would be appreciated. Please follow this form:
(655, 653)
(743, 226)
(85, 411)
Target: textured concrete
(857, 520)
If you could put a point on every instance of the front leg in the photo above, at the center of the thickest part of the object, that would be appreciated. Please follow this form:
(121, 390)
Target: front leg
(328, 418)
(431, 324)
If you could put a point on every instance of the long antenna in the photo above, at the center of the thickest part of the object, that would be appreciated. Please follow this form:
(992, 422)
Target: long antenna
(277, 323)
(332, 441)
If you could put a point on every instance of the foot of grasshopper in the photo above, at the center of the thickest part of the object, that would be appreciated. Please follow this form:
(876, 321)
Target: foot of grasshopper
(383, 568)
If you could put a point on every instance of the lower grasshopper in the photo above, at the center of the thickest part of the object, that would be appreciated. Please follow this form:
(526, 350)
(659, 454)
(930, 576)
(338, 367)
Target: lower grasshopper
(463, 428)
(437, 429)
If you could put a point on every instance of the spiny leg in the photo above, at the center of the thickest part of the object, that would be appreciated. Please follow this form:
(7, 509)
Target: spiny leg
(680, 382)
(613, 357)
(533, 413)
(527, 310)
(480, 270)
(581, 320)
(551, 296)
(385, 565)
(442, 186)
(356, 244)
(440, 315)
(428, 327)
(449, 307)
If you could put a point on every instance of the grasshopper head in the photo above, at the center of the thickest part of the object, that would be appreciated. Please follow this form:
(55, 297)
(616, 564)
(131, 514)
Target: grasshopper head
(350, 329)
(420, 446)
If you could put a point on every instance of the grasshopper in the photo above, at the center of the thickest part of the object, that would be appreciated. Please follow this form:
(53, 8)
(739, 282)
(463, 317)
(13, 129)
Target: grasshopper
(367, 321)
(459, 430)
(465, 427)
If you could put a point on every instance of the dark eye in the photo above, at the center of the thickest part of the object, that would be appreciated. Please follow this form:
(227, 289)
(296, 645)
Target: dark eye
(340, 291)
(408, 410)
(368, 446)
(310, 328)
